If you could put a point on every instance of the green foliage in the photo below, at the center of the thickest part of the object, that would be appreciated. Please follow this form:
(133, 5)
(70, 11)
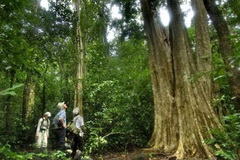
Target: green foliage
(117, 98)
(226, 142)
(7, 154)
(10, 91)
(58, 155)
(18, 136)
(95, 142)
(118, 104)
(117, 92)
(231, 11)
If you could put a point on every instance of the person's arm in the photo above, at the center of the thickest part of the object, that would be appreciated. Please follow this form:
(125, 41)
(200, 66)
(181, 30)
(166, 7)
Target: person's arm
(62, 117)
(38, 127)
(80, 124)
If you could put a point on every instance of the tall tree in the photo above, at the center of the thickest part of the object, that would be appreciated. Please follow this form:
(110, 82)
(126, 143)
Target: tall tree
(8, 104)
(29, 84)
(183, 110)
(226, 49)
(43, 96)
(203, 47)
(28, 97)
(80, 61)
(103, 20)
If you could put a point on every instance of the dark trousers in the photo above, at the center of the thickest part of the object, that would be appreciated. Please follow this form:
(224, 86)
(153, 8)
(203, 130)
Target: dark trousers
(60, 134)
(77, 143)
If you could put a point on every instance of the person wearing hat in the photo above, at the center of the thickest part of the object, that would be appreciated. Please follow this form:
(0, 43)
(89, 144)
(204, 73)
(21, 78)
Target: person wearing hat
(77, 143)
(42, 132)
(59, 122)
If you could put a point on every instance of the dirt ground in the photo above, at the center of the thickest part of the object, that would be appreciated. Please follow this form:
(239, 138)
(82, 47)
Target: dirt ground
(133, 155)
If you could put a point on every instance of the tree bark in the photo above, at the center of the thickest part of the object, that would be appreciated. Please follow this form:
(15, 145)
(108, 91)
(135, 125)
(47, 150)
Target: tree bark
(78, 101)
(183, 110)
(28, 97)
(226, 49)
(203, 49)
(161, 66)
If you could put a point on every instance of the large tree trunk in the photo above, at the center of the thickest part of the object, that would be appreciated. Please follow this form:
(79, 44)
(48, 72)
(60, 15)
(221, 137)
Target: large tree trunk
(78, 102)
(28, 97)
(183, 110)
(161, 66)
(203, 48)
(225, 48)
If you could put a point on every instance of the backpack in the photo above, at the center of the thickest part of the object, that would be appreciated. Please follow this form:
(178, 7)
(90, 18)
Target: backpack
(41, 126)
(73, 129)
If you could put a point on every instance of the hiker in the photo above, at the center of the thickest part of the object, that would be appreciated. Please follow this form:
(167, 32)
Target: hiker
(42, 132)
(59, 122)
(77, 143)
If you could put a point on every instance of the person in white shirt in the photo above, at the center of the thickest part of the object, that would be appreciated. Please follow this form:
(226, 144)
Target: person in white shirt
(77, 143)
(42, 132)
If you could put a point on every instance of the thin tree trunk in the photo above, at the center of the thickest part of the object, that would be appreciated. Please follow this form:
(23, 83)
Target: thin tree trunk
(103, 27)
(43, 101)
(8, 103)
(78, 101)
(183, 110)
(226, 49)
(44, 95)
(221, 27)
(28, 97)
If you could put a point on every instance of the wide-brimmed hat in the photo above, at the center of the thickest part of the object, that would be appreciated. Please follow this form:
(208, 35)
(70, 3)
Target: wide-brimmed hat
(60, 104)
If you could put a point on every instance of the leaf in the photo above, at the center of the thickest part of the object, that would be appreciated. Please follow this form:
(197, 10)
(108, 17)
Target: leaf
(219, 77)
(10, 91)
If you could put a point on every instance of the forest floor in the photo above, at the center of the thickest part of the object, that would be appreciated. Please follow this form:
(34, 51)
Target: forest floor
(132, 155)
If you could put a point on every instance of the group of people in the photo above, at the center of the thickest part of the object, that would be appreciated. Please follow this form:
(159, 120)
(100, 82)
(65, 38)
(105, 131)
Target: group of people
(59, 129)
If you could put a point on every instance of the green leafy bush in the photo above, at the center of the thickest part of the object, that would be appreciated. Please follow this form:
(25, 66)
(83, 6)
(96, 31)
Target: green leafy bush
(7, 154)
(226, 142)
